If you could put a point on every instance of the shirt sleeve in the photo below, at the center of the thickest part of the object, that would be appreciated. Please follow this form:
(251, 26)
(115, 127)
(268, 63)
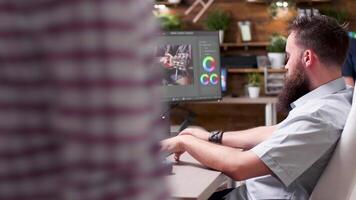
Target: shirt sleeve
(296, 145)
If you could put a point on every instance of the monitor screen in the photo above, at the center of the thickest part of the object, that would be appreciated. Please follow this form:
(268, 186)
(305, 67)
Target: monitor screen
(191, 64)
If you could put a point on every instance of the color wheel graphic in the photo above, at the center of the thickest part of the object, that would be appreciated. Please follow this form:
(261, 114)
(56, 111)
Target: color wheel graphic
(209, 63)
(204, 79)
(214, 79)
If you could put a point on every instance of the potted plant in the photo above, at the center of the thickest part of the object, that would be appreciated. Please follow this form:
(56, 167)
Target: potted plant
(218, 20)
(254, 83)
(169, 22)
(276, 51)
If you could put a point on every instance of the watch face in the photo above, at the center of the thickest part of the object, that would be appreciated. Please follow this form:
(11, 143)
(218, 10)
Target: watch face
(215, 136)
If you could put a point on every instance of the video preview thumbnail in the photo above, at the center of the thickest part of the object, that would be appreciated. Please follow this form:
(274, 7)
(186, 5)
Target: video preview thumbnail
(177, 63)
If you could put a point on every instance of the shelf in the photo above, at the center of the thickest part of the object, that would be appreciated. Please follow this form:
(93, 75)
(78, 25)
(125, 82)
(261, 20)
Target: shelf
(246, 45)
(298, 1)
(240, 100)
(256, 70)
(257, 1)
(313, 1)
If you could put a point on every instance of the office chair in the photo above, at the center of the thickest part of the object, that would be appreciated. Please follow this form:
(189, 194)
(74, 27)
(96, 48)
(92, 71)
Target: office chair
(338, 181)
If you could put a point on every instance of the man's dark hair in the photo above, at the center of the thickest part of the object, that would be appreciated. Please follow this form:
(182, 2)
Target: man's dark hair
(324, 36)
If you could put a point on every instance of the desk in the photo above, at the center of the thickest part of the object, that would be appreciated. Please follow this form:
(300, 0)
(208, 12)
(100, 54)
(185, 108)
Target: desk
(270, 105)
(190, 180)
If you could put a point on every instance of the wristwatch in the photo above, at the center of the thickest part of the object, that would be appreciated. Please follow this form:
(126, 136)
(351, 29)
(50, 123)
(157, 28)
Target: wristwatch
(216, 136)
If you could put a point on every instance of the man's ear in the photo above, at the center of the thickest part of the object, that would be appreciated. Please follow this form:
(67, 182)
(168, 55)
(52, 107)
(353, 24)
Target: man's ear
(308, 58)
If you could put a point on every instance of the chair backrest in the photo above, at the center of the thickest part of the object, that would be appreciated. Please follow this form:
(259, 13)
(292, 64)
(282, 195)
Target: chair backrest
(338, 181)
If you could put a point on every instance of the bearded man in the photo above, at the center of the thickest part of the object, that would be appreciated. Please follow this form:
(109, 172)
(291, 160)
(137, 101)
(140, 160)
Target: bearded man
(285, 161)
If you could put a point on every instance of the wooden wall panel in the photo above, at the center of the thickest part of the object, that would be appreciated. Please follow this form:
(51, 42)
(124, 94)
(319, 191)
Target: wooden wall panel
(224, 117)
(262, 23)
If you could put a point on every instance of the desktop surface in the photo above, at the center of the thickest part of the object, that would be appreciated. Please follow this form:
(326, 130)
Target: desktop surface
(191, 180)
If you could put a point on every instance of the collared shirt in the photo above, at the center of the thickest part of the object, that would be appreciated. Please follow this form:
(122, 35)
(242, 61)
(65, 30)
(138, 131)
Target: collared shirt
(300, 148)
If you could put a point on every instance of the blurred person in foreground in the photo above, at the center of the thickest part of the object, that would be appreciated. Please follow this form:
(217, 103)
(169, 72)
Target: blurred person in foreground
(78, 108)
(284, 161)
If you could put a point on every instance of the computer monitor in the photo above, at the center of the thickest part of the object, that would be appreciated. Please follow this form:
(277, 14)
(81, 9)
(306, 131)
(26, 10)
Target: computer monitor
(191, 64)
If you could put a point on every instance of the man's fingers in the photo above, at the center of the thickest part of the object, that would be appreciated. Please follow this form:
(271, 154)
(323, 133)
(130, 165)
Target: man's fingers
(177, 156)
(171, 145)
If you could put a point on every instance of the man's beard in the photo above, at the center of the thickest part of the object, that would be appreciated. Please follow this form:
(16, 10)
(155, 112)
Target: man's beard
(295, 87)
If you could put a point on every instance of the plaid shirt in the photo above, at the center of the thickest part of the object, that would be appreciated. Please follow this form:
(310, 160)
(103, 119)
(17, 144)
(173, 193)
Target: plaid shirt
(78, 108)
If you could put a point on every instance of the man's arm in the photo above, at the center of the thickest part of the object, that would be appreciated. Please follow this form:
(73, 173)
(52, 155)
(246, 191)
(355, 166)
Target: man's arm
(245, 139)
(239, 165)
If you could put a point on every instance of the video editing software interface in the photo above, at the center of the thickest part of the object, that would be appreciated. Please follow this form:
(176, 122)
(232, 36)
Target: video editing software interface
(191, 64)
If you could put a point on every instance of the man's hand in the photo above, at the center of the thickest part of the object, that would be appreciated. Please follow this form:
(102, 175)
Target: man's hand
(240, 165)
(173, 145)
(196, 132)
(167, 61)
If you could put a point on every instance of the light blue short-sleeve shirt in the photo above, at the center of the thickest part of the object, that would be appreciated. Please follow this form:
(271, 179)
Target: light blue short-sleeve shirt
(300, 148)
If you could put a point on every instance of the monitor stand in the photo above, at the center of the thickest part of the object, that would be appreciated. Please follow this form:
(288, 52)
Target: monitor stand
(165, 117)
(187, 121)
